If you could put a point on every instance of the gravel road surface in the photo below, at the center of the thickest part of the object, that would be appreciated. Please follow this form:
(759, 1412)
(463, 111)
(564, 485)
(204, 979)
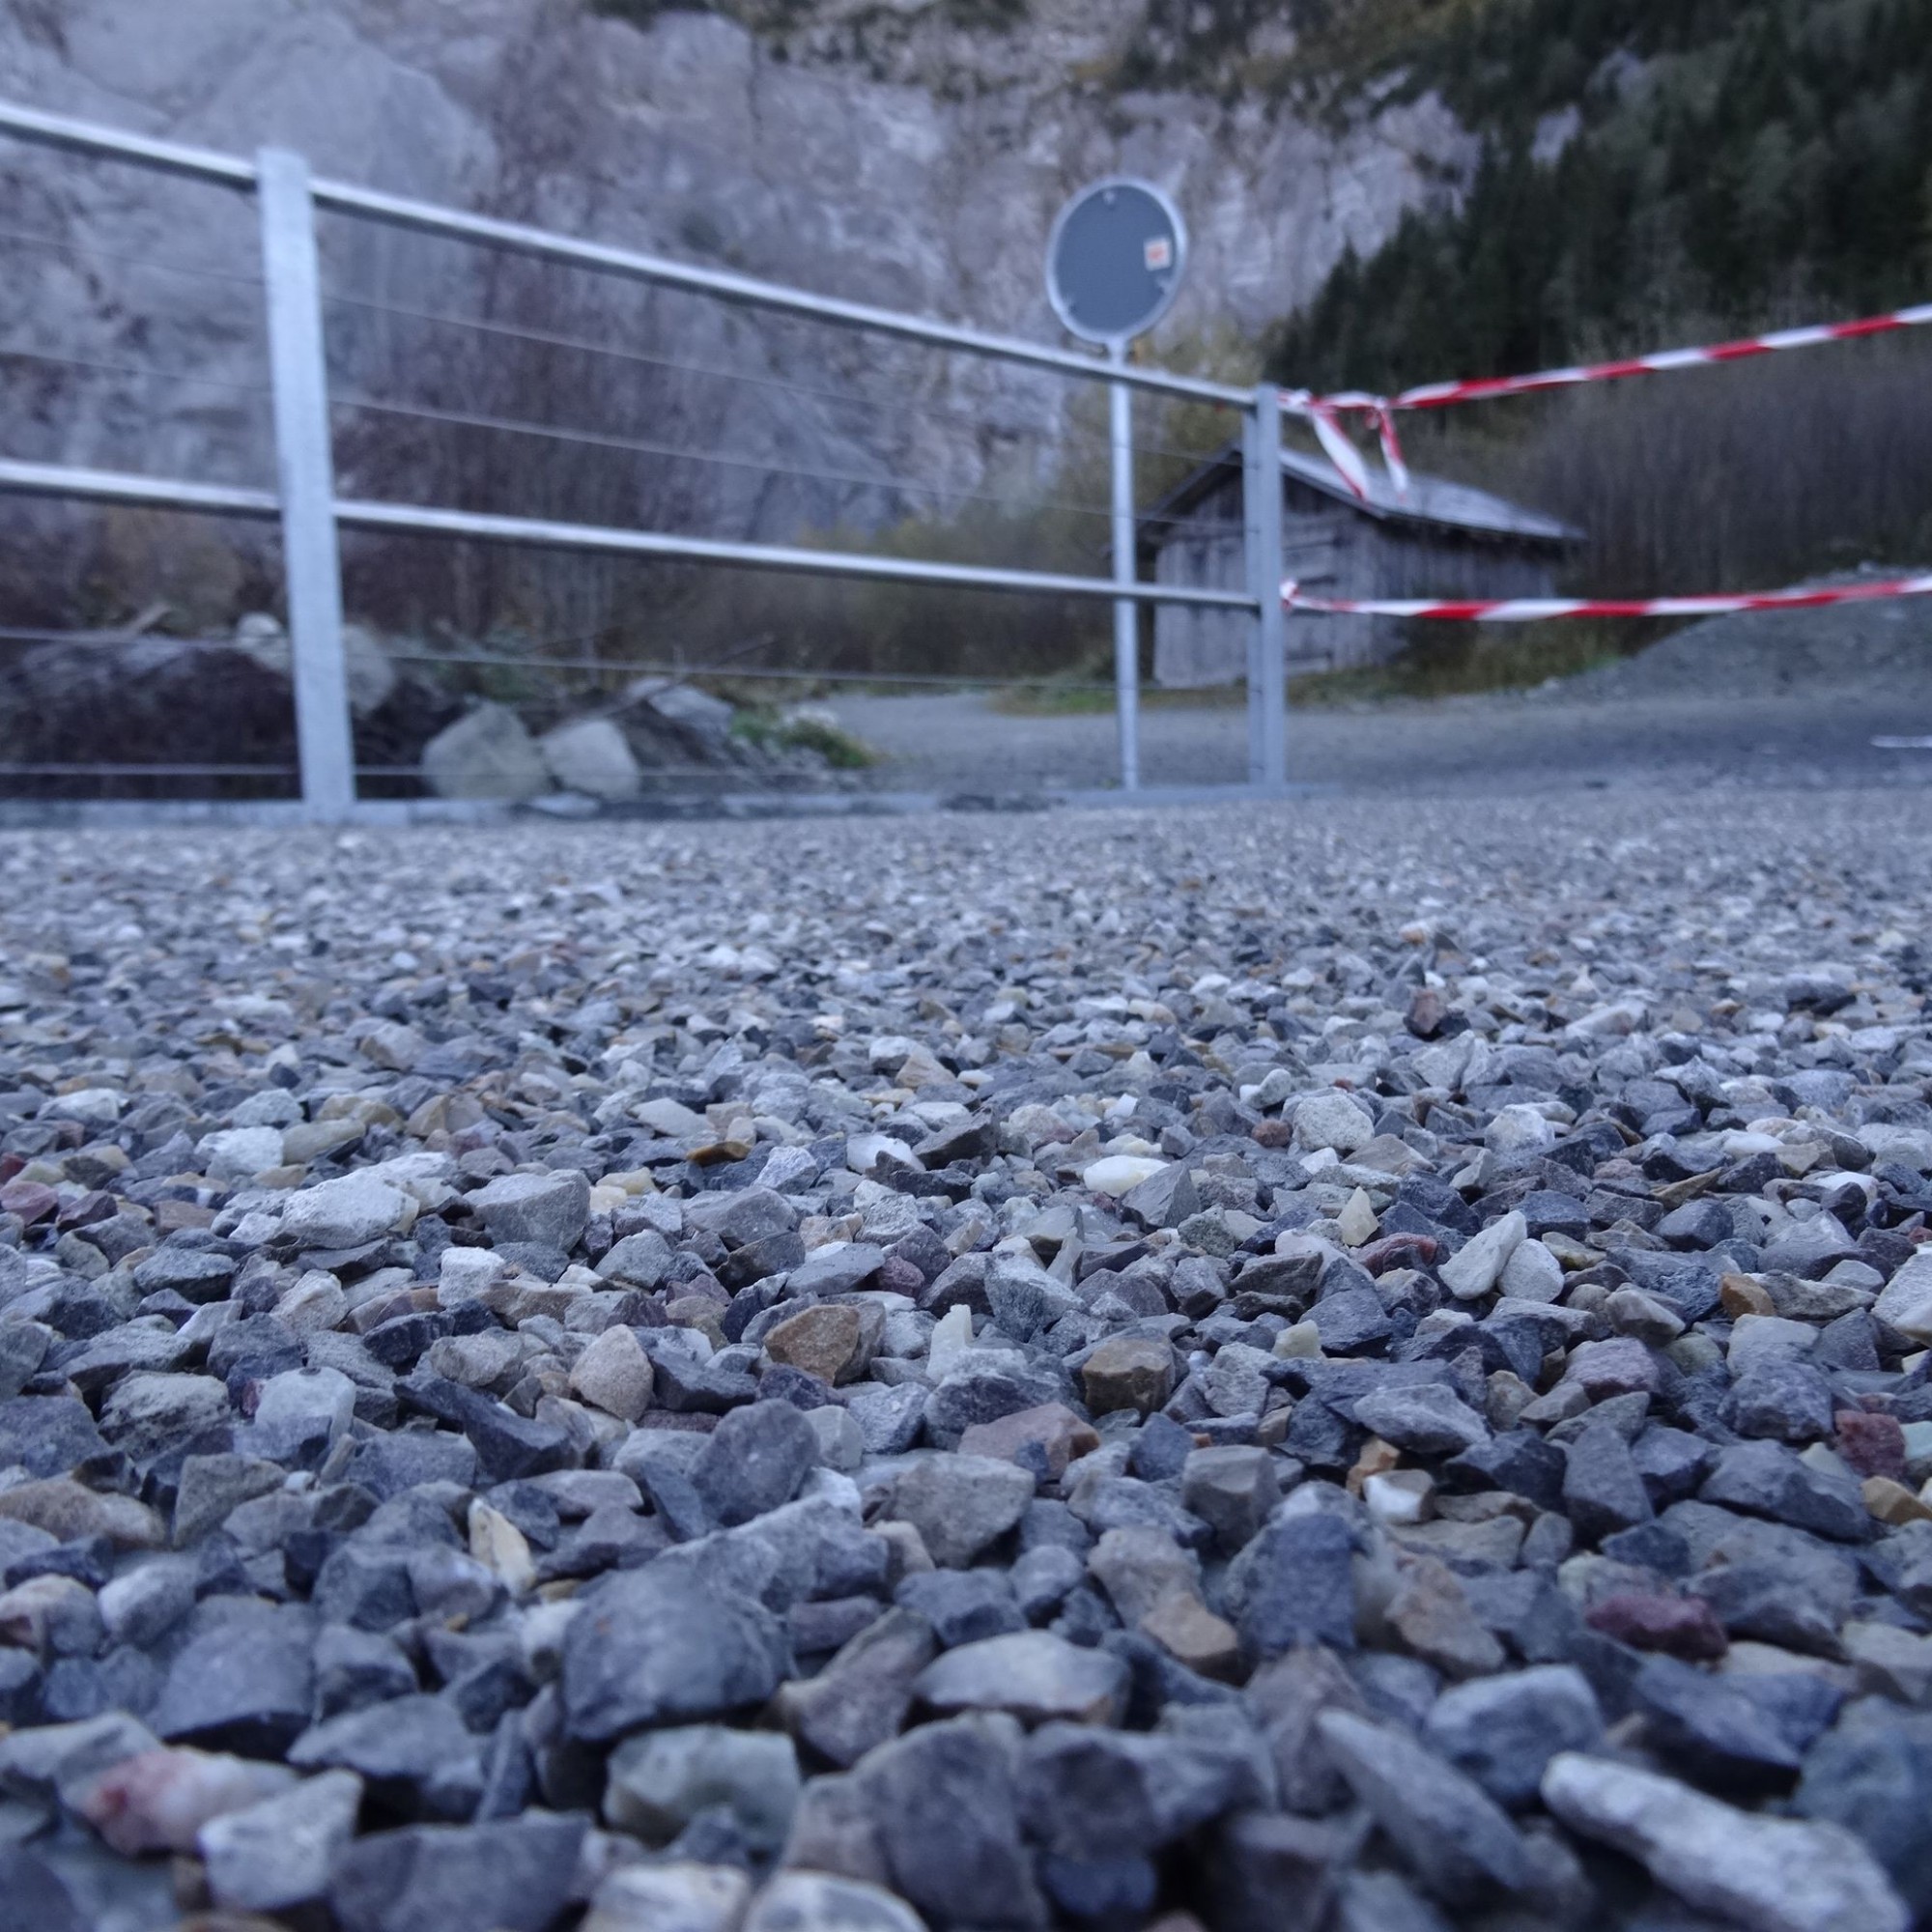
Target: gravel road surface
(1352, 1364)
(1489, 745)
(1791, 699)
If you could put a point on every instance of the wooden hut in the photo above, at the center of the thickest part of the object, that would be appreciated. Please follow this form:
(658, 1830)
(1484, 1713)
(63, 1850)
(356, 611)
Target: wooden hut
(1442, 539)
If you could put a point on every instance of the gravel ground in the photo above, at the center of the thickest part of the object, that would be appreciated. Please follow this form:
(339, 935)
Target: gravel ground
(1529, 742)
(1336, 1366)
(1789, 698)
(1873, 651)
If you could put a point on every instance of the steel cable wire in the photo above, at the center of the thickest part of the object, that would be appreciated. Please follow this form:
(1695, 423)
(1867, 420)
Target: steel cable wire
(848, 399)
(674, 452)
(843, 398)
(593, 439)
(536, 657)
(69, 245)
(10, 353)
(612, 666)
(518, 426)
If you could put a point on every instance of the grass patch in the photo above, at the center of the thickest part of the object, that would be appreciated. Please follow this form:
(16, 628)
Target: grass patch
(1059, 700)
(1436, 661)
(805, 728)
(1468, 660)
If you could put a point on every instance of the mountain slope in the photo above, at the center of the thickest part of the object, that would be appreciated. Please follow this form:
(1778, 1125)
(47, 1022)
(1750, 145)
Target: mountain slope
(1648, 165)
(1655, 173)
(911, 154)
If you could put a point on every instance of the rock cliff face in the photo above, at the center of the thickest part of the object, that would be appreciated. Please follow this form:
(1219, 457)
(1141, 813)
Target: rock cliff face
(911, 153)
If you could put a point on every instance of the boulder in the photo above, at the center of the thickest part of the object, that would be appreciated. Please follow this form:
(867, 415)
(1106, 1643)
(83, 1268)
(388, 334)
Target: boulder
(200, 701)
(487, 753)
(693, 714)
(372, 676)
(592, 756)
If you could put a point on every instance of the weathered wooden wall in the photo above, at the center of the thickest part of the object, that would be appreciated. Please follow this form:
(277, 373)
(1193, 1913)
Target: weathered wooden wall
(1335, 552)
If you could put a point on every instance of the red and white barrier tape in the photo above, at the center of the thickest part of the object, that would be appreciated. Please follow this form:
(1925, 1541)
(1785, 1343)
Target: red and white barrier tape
(1530, 610)
(1439, 395)
(1325, 413)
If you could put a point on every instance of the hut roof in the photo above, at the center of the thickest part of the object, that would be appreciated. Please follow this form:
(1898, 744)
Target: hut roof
(1432, 502)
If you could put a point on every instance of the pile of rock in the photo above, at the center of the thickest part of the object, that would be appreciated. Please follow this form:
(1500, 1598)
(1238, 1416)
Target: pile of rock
(660, 730)
(976, 1377)
(1849, 650)
(198, 702)
(222, 710)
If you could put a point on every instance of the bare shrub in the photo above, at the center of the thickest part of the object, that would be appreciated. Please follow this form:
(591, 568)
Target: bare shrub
(1719, 479)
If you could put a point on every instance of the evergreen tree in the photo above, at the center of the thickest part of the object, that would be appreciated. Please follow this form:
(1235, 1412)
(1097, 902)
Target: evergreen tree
(1737, 162)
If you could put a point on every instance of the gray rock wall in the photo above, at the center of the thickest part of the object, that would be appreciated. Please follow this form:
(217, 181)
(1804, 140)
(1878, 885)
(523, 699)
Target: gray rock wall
(915, 163)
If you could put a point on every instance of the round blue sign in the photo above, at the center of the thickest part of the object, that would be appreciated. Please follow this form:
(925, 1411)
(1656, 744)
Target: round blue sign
(1114, 260)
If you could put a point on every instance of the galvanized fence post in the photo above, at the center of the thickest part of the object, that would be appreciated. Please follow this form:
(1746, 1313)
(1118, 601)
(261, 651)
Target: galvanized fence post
(306, 466)
(1254, 502)
(1268, 652)
(1127, 611)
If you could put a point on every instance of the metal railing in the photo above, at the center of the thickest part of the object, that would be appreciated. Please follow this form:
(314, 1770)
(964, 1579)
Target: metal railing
(312, 514)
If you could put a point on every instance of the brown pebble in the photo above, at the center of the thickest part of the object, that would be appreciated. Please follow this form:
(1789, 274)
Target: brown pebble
(1742, 1296)
(31, 1199)
(1378, 1459)
(1394, 1251)
(1043, 1439)
(898, 1276)
(1128, 1372)
(1874, 1445)
(824, 1341)
(1685, 1627)
(1890, 1502)
(1426, 1013)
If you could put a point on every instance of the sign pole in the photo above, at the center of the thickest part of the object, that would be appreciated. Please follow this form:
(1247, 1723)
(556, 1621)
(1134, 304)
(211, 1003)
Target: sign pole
(1267, 695)
(1114, 262)
(1126, 613)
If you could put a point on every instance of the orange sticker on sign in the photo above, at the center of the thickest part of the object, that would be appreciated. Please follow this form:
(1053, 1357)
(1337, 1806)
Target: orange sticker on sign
(1159, 254)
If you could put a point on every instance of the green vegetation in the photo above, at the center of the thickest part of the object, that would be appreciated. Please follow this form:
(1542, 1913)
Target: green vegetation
(1734, 163)
(1435, 661)
(854, 625)
(641, 13)
(1182, 44)
(1018, 518)
(1053, 699)
(804, 729)
(1465, 660)
(1653, 172)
